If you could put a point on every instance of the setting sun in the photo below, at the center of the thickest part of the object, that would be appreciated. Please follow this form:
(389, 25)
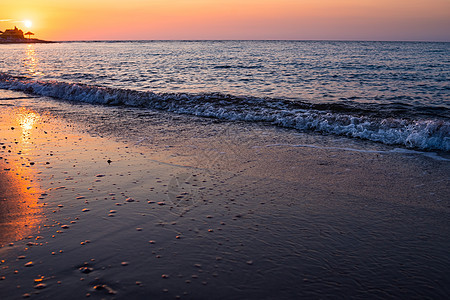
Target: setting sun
(28, 23)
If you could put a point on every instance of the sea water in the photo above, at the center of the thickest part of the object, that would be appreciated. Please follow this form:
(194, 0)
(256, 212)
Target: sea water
(396, 93)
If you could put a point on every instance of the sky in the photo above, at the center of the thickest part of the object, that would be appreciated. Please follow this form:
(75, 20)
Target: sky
(386, 20)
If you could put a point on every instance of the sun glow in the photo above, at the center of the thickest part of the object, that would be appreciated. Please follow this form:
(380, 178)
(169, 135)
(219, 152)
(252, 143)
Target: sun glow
(230, 19)
(28, 23)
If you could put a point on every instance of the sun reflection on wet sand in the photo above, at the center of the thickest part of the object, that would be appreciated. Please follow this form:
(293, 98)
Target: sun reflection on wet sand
(27, 120)
(19, 208)
(20, 213)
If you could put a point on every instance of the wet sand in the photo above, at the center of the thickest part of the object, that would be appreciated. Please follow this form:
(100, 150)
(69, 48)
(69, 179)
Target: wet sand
(122, 203)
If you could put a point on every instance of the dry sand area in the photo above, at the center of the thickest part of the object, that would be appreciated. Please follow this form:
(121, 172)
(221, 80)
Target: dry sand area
(124, 203)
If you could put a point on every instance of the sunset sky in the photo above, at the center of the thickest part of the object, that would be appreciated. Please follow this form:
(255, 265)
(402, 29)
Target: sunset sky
(231, 19)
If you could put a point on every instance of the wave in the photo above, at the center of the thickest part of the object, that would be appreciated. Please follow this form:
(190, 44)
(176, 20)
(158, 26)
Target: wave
(374, 122)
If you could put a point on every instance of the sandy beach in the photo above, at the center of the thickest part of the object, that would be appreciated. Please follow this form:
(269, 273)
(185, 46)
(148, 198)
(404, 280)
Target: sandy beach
(124, 203)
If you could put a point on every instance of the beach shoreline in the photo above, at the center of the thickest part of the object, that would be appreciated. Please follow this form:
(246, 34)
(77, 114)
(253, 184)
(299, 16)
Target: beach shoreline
(138, 203)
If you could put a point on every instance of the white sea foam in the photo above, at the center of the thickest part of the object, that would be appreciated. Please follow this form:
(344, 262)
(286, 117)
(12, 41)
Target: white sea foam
(425, 134)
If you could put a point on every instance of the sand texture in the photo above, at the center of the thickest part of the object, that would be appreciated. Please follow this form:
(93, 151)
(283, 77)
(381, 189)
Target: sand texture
(122, 203)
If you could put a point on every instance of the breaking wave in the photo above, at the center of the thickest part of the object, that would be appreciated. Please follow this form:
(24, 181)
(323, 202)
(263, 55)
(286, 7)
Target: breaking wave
(425, 129)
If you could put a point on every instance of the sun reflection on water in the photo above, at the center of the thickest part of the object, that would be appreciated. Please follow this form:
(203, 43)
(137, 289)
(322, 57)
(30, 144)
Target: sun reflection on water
(31, 61)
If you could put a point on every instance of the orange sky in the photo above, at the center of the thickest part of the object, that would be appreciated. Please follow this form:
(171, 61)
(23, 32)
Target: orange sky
(232, 19)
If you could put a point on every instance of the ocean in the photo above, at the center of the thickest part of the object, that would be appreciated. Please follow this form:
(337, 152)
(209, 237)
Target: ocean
(394, 93)
(225, 170)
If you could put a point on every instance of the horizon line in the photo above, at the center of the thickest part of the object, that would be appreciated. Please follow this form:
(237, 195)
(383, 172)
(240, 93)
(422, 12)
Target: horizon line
(249, 40)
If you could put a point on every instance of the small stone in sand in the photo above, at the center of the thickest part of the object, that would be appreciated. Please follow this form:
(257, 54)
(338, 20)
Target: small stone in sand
(40, 286)
(165, 276)
(129, 200)
(124, 263)
(86, 270)
(105, 287)
(85, 209)
(29, 264)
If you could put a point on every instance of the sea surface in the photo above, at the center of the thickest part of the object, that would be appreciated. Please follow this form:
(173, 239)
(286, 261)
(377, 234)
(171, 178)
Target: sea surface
(395, 93)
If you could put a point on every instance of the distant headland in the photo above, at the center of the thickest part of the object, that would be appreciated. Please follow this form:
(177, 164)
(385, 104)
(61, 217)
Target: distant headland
(15, 36)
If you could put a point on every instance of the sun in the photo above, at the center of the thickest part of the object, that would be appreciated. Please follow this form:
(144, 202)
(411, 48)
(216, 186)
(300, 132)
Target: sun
(28, 23)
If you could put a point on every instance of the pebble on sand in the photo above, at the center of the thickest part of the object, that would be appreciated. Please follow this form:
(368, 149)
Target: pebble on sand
(86, 270)
(40, 286)
(29, 264)
(105, 287)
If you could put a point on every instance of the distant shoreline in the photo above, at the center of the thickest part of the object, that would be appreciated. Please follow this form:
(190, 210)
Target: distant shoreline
(26, 41)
